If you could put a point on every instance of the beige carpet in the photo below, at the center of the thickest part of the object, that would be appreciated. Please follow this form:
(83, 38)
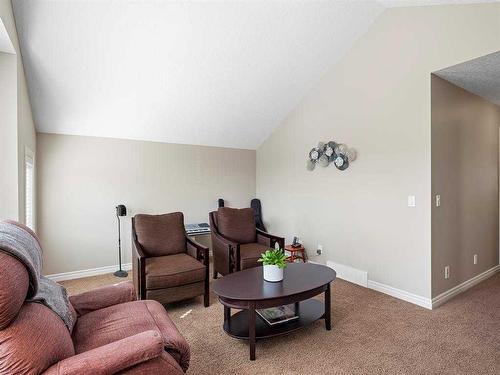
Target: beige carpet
(372, 334)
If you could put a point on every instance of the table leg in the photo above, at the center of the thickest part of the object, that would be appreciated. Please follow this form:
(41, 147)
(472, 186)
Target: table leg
(227, 315)
(328, 321)
(297, 308)
(251, 330)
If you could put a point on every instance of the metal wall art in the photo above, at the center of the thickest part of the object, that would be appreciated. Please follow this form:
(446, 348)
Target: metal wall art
(331, 152)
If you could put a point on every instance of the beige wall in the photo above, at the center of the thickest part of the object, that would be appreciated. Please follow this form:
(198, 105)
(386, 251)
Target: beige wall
(82, 179)
(8, 138)
(377, 100)
(465, 175)
(26, 133)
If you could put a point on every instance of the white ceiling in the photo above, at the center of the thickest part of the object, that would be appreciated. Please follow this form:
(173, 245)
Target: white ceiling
(480, 76)
(208, 73)
(211, 73)
(410, 3)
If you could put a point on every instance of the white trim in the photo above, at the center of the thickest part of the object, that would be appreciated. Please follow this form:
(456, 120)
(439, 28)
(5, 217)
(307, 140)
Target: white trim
(443, 297)
(401, 294)
(350, 274)
(313, 262)
(87, 273)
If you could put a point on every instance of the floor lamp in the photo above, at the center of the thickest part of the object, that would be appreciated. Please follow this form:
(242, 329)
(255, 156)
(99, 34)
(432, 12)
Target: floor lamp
(121, 210)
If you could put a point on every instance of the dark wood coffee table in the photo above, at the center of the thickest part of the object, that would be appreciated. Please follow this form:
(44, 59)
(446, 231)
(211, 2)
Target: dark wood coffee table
(247, 290)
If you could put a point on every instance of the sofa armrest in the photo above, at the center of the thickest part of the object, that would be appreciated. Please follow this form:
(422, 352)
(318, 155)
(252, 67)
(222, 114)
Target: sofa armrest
(103, 297)
(113, 357)
(270, 240)
(197, 251)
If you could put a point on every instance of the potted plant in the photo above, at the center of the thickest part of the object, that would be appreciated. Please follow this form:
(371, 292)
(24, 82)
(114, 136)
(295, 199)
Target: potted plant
(274, 262)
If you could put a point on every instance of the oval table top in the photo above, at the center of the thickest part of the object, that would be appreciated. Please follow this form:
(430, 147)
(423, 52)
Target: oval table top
(249, 285)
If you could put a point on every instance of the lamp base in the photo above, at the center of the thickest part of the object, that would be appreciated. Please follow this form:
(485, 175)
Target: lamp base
(121, 273)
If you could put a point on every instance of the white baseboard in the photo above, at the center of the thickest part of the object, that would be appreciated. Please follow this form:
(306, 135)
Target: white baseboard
(401, 294)
(443, 297)
(87, 273)
(350, 274)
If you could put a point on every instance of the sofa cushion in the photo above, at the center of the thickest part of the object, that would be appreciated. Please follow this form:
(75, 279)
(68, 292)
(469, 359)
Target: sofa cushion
(161, 234)
(250, 253)
(173, 270)
(237, 224)
(116, 322)
(14, 283)
(34, 341)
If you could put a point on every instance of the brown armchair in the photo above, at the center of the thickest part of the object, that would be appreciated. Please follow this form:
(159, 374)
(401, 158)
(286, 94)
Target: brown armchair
(167, 265)
(236, 243)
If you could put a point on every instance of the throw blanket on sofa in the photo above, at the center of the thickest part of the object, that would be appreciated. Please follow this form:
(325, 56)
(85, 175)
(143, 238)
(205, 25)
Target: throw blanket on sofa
(21, 244)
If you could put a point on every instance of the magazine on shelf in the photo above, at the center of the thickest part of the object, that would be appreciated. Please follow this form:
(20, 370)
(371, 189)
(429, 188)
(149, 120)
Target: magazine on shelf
(278, 315)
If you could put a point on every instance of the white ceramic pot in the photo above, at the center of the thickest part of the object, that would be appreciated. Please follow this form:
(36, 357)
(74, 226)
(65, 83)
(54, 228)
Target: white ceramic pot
(273, 273)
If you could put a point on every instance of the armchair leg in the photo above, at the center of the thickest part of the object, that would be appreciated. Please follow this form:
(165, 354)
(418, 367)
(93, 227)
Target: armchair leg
(206, 299)
(215, 274)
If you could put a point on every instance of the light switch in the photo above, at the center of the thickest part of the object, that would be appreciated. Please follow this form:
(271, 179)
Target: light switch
(411, 201)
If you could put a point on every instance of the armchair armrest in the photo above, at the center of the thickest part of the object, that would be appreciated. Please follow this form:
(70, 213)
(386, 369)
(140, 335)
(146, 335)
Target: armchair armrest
(137, 249)
(227, 251)
(103, 297)
(113, 357)
(197, 251)
(270, 239)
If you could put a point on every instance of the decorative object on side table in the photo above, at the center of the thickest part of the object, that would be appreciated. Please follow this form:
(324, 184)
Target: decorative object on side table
(121, 210)
(296, 253)
(331, 152)
(274, 262)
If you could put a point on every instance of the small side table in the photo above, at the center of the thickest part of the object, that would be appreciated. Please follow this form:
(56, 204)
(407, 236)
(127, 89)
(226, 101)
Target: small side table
(296, 253)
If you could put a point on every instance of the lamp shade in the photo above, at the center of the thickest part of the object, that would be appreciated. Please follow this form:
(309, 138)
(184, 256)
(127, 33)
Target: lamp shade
(121, 210)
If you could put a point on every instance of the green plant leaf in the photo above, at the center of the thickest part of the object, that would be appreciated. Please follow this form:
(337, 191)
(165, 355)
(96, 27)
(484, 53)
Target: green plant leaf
(274, 257)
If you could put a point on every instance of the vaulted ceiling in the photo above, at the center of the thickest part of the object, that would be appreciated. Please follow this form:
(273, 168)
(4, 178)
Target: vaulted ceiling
(209, 73)
(481, 76)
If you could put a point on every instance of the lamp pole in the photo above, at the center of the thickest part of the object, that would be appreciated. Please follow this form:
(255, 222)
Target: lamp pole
(120, 211)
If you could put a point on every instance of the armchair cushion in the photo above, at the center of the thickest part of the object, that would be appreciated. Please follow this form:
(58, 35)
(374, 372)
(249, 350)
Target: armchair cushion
(173, 270)
(34, 341)
(238, 225)
(101, 327)
(113, 357)
(161, 234)
(105, 296)
(250, 253)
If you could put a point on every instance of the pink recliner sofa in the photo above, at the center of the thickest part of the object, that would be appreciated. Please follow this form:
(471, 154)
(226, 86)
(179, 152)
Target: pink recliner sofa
(114, 333)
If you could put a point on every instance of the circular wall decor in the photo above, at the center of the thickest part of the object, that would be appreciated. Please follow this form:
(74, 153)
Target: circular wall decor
(331, 152)
(314, 154)
(341, 162)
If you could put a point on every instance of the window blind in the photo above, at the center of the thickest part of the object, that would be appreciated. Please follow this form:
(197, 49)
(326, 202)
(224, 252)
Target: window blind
(29, 190)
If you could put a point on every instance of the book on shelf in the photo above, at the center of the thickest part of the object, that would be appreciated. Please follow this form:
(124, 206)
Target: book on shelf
(279, 314)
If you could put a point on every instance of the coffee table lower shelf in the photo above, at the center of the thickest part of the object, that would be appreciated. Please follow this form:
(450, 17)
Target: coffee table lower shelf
(309, 311)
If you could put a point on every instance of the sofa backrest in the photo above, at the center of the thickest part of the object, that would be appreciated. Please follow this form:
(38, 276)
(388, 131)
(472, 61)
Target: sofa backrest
(237, 224)
(161, 234)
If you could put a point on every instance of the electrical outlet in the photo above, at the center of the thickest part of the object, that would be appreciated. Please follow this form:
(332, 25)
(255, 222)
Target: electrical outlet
(438, 200)
(447, 272)
(475, 258)
(319, 250)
